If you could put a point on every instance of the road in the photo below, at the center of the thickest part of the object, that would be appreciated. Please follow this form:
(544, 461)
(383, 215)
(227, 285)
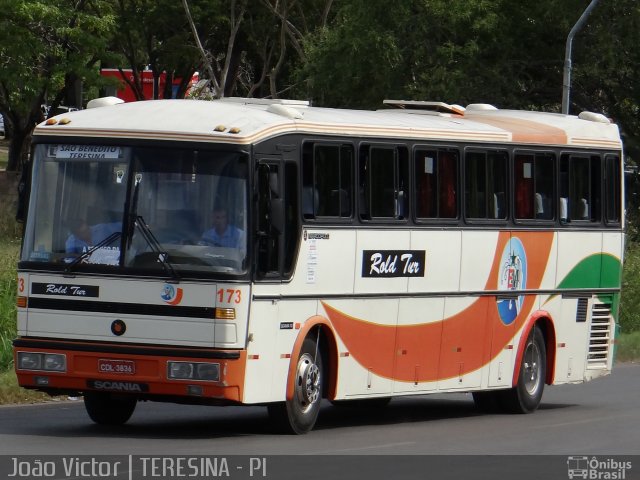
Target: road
(601, 417)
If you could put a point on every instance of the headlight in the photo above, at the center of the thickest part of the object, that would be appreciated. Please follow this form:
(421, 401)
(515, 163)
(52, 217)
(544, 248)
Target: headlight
(55, 362)
(29, 361)
(50, 362)
(208, 372)
(180, 370)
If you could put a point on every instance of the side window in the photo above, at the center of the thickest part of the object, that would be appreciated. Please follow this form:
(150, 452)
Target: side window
(612, 189)
(485, 181)
(436, 183)
(534, 183)
(327, 189)
(580, 188)
(383, 182)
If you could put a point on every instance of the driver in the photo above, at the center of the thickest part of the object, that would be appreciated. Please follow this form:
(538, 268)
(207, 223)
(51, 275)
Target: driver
(223, 234)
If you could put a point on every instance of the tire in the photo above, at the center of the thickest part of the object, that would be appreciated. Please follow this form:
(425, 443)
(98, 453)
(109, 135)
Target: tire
(103, 409)
(299, 415)
(525, 397)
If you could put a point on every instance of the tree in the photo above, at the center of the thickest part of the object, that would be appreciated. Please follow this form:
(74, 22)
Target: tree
(253, 51)
(45, 46)
(606, 66)
(155, 34)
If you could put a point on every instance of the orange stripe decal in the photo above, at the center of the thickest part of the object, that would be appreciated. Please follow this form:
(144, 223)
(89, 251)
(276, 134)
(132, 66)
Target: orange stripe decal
(454, 346)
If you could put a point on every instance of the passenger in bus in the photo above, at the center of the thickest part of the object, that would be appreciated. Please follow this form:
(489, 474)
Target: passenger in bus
(223, 234)
(83, 236)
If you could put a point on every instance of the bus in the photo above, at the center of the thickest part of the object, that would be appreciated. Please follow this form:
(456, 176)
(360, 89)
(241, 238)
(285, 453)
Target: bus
(273, 253)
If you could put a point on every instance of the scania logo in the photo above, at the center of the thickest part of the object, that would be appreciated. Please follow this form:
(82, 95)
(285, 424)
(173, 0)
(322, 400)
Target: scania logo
(118, 386)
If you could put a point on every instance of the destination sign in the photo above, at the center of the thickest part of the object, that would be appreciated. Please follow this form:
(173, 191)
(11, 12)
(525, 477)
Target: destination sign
(85, 152)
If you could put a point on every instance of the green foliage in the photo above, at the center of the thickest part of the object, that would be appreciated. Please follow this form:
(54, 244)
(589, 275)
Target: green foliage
(628, 347)
(630, 301)
(46, 46)
(8, 261)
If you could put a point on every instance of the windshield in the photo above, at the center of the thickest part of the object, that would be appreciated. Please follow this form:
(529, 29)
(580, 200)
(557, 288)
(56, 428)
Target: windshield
(161, 210)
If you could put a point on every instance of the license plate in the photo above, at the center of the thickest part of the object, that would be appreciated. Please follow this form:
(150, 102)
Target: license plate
(124, 367)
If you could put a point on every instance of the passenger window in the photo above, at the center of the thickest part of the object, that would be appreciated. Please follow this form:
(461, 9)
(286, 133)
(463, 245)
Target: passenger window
(486, 185)
(580, 188)
(327, 189)
(534, 184)
(383, 182)
(436, 181)
(612, 172)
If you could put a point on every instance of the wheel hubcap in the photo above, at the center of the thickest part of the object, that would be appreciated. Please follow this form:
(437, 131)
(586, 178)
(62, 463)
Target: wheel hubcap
(531, 366)
(307, 382)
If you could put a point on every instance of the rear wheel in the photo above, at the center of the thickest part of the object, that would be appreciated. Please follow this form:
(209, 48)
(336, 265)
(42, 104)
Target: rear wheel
(299, 414)
(525, 397)
(107, 410)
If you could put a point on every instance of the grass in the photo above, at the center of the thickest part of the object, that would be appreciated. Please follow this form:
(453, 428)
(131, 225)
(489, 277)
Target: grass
(628, 347)
(8, 259)
(10, 392)
(4, 154)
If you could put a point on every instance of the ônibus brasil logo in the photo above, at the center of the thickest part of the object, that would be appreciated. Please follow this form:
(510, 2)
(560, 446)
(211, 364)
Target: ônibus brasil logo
(171, 295)
(512, 276)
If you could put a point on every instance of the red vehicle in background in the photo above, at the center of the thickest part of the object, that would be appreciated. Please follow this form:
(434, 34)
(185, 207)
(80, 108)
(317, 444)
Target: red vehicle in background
(126, 93)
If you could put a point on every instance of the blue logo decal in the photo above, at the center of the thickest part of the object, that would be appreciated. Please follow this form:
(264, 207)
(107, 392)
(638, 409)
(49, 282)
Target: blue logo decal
(512, 276)
(168, 293)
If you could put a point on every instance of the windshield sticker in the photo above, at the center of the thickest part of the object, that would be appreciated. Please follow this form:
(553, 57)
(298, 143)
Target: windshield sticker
(64, 289)
(393, 263)
(104, 256)
(84, 152)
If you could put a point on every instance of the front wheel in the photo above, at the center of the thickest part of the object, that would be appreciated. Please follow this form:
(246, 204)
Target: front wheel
(106, 410)
(299, 414)
(525, 397)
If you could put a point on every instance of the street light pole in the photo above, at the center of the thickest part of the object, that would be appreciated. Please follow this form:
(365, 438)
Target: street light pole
(566, 79)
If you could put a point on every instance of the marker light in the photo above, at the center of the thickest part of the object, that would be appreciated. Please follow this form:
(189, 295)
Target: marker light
(220, 128)
(234, 130)
(225, 313)
(51, 121)
(64, 121)
(21, 302)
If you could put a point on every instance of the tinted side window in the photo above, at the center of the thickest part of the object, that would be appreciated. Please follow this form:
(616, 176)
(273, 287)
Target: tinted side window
(383, 174)
(580, 188)
(436, 183)
(327, 181)
(612, 191)
(486, 185)
(534, 184)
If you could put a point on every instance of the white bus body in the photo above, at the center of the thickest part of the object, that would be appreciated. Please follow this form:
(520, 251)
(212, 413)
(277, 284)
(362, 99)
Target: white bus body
(394, 252)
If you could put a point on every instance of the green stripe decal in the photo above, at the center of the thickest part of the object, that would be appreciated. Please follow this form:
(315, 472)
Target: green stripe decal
(596, 271)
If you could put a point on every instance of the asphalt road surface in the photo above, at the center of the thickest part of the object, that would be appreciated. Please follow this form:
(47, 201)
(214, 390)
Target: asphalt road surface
(598, 418)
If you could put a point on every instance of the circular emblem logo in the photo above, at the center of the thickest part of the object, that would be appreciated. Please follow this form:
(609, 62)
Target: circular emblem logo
(512, 276)
(118, 327)
(168, 293)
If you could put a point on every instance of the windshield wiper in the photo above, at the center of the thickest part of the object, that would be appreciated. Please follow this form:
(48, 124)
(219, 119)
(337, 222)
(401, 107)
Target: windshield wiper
(103, 243)
(152, 241)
